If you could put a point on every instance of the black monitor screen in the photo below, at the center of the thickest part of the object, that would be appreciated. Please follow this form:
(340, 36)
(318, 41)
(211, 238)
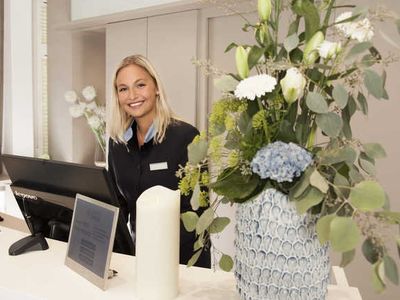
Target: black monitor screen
(45, 191)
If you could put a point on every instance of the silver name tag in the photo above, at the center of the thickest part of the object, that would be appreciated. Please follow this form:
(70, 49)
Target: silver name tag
(159, 166)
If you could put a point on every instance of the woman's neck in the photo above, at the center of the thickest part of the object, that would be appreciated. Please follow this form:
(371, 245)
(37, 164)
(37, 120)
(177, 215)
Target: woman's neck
(142, 127)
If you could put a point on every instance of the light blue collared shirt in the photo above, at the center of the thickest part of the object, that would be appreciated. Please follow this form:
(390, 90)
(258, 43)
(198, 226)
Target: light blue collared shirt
(151, 132)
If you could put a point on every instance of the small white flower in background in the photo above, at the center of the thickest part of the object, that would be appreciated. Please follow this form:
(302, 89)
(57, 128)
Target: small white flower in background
(361, 31)
(293, 85)
(89, 93)
(77, 110)
(91, 106)
(101, 112)
(70, 96)
(255, 86)
(94, 122)
(329, 49)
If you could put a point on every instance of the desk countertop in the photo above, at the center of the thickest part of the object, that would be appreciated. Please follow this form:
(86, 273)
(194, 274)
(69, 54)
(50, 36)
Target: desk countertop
(43, 275)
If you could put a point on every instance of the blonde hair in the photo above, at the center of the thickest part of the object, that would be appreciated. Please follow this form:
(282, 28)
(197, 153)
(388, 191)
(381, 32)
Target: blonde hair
(119, 120)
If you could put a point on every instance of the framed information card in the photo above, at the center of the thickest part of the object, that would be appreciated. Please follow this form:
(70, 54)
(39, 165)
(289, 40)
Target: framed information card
(91, 239)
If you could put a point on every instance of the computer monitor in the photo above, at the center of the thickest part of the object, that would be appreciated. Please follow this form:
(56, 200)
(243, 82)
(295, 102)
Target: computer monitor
(45, 191)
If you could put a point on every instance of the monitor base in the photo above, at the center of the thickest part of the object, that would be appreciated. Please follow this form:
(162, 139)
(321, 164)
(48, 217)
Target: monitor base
(29, 243)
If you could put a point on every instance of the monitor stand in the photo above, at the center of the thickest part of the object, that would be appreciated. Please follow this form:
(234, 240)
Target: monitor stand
(29, 243)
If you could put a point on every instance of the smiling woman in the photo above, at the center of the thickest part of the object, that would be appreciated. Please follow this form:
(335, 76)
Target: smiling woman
(147, 143)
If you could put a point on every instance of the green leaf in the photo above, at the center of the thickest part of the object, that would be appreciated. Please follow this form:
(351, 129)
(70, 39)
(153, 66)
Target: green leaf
(398, 25)
(317, 103)
(218, 224)
(355, 175)
(254, 56)
(189, 220)
(377, 277)
(199, 243)
(392, 217)
(340, 95)
(330, 123)
(398, 245)
(358, 48)
(194, 258)
(367, 166)
(291, 42)
(347, 257)
(312, 197)
(205, 220)
(226, 263)
(340, 180)
(323, 228)
(318, 181)
(374, 150)
(332, 156)
(344, 234)
(235, 186)
(197, 151)
(310, 13)
(194, 200)
(302, 184)
(367, 195)
(390, 268)
(225, 83)
(374, 83)
(362, 101)
(371, 252)
(230, 46)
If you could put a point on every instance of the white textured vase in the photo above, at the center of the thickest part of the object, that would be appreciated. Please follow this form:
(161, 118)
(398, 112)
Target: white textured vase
(278, 255)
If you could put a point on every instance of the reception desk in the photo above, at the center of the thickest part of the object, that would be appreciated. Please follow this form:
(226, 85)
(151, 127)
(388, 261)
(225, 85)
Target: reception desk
(43, 275)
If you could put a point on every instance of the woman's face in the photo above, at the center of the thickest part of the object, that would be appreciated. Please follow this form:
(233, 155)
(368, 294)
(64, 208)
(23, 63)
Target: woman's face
(137, 92)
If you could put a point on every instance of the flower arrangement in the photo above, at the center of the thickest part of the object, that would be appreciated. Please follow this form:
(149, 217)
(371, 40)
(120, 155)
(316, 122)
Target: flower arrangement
(288, 127)
(95, 114)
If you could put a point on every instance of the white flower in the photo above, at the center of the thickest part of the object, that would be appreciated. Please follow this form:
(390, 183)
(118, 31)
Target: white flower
(70, 96)
(255, 86)
(91, 106)
(293, 85)
(89, 93)
(77, 110)
(329, 49)
(101, 112)
(94, 122)
(361, 31)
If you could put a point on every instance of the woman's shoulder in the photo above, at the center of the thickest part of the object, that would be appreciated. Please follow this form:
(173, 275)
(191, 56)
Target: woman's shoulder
(179, 126)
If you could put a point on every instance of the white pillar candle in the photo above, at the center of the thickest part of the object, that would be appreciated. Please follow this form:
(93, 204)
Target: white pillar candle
(157, 244)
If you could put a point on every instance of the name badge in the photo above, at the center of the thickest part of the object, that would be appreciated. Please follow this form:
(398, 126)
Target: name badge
(159, 166)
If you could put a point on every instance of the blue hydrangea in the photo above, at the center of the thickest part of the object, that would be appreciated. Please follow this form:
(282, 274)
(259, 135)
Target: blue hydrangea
(281, 161)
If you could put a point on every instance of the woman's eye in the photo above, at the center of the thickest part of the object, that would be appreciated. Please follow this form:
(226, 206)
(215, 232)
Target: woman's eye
(140, 85)
(122, 89)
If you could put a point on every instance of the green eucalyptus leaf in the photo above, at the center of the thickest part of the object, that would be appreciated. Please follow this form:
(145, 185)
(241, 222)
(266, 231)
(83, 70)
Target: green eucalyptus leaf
(197, 151)
(194, 258)
(194, 200)
(254, 56)
(355, 175)
(219, 224)
(371, 251)
(303, 183)
(398, 25)
(324, 227)
(374, 150)
(332, 156)
(319, 181)
(235, 186)
(230, 46)
(309, 11)
(330, 123)
(316, 103)
(226, 263)
(377, 276)
(199, 243)
(367, 195)
(367, 166)
(311, 197)
(341, 181)
(362, 101)
(344, 234)
(374, 83)
(347, 257)
(340, 95)
(225, 83)
(390, 268)
(358, 48)
(205, 220)
(398, 246)
(291, 42)
(189, 220)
